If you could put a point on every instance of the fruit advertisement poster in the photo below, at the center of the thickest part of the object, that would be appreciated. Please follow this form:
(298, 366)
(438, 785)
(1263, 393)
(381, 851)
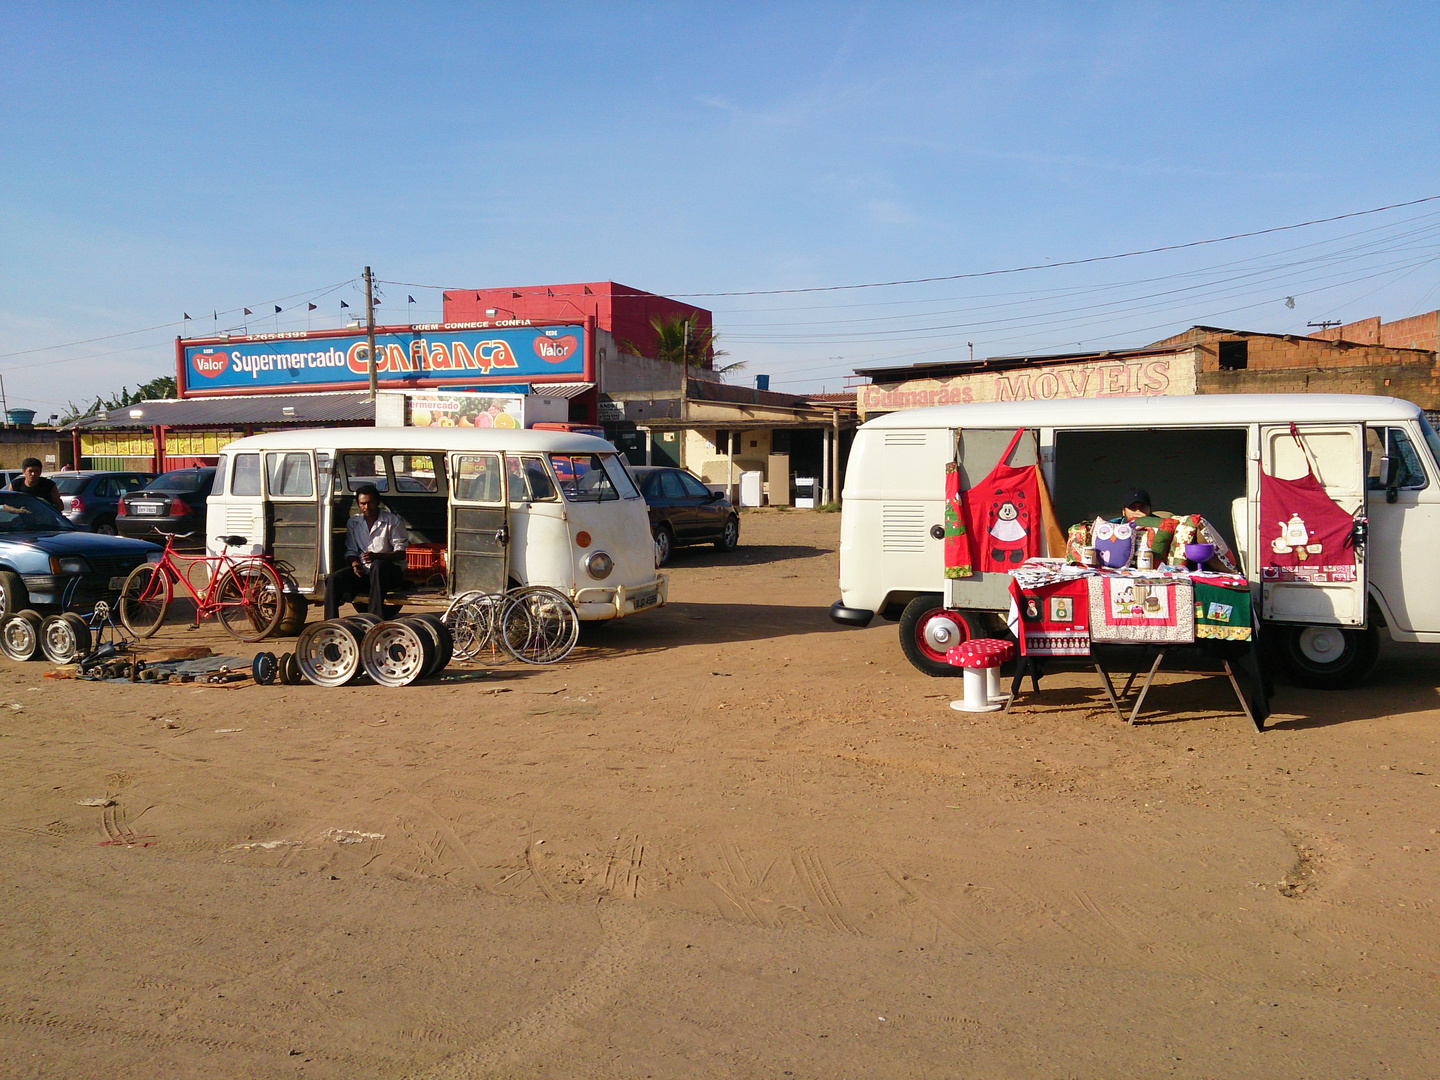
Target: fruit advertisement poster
(467, 410)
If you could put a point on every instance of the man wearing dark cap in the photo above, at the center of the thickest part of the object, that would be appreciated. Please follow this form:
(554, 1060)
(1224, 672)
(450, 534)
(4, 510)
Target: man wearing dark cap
(30, 482)
(375, 542)
(1136, 505)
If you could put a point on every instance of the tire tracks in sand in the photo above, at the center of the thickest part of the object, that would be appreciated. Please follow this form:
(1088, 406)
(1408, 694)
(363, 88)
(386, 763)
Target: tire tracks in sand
(624, 930)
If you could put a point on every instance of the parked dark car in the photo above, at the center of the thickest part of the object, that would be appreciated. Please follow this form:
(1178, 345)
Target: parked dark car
(41, 553)
(91, 499)
(172, 503)
(684, 511)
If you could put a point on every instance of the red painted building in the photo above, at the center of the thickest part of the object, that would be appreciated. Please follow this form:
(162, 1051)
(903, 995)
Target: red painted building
(622, 312)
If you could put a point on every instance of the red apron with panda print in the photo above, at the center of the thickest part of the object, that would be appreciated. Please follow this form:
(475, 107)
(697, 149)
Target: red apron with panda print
(1002, 515)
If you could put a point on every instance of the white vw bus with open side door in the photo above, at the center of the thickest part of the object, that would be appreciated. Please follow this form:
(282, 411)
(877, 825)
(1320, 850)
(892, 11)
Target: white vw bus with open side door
(1374, 458)
(485, 509)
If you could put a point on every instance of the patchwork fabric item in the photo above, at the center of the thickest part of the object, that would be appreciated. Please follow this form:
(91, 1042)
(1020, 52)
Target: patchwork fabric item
(1194, 529)
(1127, 610)
(1076, 538)
(1002, 515)
(1221, 612)
(957, 544)
(1053, 620)
(1304, 534)
(1161, 529)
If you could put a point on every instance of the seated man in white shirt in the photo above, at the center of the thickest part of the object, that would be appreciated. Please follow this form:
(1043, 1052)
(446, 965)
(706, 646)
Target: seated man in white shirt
(375, 542)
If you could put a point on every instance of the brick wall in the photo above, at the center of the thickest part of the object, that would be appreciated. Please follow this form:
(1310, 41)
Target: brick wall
(1413, 382)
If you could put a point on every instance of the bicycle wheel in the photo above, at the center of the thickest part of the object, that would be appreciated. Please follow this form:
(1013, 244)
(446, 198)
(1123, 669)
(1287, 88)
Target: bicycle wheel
(476, 630)
(144, 599)
(250, 601)
(539, 626)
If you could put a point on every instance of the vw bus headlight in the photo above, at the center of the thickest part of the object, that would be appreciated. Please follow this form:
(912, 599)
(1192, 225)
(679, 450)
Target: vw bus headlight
(598, 565)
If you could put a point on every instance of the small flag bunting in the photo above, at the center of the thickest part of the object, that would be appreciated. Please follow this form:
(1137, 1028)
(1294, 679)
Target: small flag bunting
(277, 309)
(344, 304)
(411, 299)
(249, 312)
(310, 307)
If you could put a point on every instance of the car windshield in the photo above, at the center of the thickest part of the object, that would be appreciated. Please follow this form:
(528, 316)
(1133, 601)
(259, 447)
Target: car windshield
(70, 484)
(182, 480)
(27, 514)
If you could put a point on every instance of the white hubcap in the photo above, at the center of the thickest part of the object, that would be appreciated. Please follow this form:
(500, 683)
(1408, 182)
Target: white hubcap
(1321, 644)
(942, 633)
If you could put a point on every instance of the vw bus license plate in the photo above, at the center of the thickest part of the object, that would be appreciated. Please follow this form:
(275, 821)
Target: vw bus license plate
(645, 599)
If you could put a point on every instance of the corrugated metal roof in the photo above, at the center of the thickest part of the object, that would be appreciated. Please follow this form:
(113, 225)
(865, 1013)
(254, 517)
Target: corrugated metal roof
(267, 409)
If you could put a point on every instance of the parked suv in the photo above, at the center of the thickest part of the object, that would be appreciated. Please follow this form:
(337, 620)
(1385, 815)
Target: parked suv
(92, 498)
(685, 511)
(174, 502)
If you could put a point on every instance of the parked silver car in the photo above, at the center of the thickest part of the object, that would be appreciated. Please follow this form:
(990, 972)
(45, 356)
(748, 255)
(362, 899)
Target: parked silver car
(90, 498)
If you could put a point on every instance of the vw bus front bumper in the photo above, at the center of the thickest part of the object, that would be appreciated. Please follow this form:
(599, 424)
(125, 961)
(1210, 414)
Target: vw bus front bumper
(594, 605)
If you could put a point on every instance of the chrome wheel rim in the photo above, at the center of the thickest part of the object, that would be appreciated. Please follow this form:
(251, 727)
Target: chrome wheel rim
(393, 654)
(329, 654)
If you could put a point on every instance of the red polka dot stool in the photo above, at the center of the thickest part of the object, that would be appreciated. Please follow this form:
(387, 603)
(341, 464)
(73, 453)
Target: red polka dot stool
(981, 658)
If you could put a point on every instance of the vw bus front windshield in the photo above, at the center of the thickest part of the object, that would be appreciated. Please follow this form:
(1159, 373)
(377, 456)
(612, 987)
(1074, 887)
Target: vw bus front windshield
(592, 477)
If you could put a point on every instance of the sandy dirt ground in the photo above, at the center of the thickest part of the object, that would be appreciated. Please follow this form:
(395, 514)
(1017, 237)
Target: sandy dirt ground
(726, 839)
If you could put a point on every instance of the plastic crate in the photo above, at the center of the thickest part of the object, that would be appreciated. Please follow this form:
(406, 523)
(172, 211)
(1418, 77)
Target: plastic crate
(425, 558)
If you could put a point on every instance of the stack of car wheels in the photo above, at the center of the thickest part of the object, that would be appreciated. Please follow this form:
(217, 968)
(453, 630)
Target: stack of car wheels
(394, 652)
(61, 639)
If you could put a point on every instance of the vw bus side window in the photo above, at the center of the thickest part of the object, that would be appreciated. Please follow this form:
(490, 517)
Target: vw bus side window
(415, 472)
(290, 476)
(1392, 441)
(528, 481)
(365, 469)
(477, 478)
(246, 480)
(124, 485)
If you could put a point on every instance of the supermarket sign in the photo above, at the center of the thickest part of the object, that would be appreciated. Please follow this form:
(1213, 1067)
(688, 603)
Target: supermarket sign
(409, 356)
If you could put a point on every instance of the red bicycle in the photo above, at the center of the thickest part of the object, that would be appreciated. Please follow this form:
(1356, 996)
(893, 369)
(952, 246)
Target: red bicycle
(244, 591)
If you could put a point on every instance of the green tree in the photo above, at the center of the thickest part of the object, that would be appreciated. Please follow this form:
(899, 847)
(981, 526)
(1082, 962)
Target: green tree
(154, 390)
(681, 340)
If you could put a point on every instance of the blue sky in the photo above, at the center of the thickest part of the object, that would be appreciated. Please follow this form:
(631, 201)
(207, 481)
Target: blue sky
(160, 159)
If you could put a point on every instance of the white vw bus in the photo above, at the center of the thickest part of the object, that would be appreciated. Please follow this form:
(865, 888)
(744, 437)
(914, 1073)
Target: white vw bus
(495, 508)
(1375, 457)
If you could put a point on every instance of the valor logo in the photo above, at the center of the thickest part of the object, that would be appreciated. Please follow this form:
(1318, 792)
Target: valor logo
(556, 349)
(210, 364)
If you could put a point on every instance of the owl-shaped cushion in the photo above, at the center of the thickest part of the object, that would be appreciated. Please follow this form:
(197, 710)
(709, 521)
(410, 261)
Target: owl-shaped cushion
(1114, 543)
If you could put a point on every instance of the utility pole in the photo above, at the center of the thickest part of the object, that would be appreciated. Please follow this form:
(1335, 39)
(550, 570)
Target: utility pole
(370, 329)
(1324, 324)
(685, 393)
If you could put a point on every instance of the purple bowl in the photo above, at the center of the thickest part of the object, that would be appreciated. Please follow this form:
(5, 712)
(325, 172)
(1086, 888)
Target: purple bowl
(1199, 553)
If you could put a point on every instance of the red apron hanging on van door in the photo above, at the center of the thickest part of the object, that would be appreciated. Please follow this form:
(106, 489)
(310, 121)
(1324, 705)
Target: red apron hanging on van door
(1003, 515)
(1304, 534)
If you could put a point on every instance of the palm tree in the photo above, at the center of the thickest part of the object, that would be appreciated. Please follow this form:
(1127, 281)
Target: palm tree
(680, 340)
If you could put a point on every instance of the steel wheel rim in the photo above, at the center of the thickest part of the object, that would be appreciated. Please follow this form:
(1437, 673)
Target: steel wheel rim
(20, 638)
(57, 639)
(329, 653)
(393, 653)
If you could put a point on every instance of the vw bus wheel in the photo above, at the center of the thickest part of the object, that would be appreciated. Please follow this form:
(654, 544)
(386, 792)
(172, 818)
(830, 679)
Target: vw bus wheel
(928, 630)
(396, 653)
(329, 653)
(1327, 657)
(20, 635)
